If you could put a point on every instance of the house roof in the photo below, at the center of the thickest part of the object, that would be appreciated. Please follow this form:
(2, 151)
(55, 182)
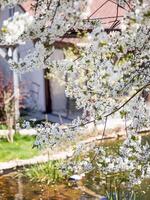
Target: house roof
(106, 10)
(27, 6)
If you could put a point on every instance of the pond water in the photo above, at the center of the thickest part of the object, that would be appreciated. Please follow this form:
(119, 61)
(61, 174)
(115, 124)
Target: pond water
(18, 188)
(13, 187)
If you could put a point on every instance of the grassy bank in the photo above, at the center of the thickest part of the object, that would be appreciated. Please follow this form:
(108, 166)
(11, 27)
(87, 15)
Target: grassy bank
(21, 148)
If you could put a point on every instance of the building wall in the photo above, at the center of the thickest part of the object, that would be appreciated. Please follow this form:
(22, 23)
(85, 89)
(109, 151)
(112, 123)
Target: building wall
(57, 88)
(31, 83)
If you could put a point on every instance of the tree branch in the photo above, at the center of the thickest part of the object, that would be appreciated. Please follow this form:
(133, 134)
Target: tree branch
(138, 91)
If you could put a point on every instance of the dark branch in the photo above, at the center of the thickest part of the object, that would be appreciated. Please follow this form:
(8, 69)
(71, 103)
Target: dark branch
(137, 92)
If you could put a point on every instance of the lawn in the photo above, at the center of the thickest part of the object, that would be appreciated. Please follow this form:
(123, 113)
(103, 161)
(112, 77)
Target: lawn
(21, 148)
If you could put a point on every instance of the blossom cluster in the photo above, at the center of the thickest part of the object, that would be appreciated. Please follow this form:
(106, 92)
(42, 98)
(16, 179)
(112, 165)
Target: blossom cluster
(51, 21)
(109, 75)
(13, 28)
(111, 67)
(4, 3)
(109, 70)
(131, 158)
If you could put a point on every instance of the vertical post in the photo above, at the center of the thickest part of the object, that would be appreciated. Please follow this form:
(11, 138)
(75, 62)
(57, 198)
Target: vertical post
(16, 86)
(14, 52)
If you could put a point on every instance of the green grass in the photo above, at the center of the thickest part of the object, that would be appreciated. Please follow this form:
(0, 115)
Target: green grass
(49, 173)
(21, 148)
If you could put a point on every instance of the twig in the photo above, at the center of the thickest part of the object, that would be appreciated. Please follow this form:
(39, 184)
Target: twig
(116, 19)
(138, 91)
(55, 12)
(98, 9)
(125, 121)
(104, 128)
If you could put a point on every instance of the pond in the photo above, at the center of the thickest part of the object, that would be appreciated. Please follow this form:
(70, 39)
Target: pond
(13, 187)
